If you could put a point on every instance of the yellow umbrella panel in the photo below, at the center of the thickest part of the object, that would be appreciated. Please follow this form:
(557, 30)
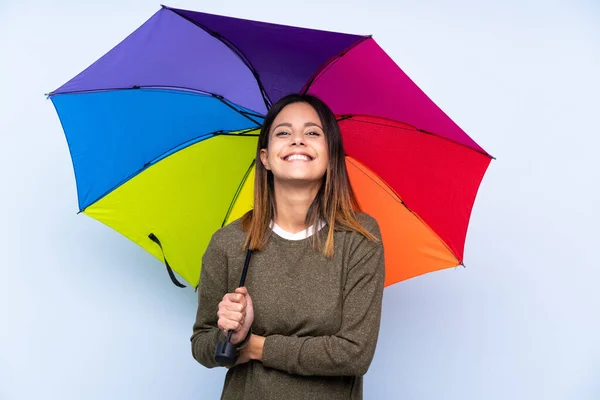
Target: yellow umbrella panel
(177, 204)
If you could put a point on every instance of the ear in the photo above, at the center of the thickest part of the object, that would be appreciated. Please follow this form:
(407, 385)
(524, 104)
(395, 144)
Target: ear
(264, 158)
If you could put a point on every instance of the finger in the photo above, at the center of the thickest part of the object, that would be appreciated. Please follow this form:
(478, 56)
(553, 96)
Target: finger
(228, 325)
(233, 316)
(244, 291)
(235, 307)
(234, 297)
(227, 306)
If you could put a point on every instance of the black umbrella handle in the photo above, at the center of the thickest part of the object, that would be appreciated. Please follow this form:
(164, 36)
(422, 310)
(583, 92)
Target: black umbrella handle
(226, 352)
(245, 269)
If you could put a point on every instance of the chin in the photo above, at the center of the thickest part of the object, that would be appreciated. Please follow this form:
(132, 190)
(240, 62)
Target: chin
(300, 179)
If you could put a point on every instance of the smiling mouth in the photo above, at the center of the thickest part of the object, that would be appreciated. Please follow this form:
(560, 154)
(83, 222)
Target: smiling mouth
(297, 157)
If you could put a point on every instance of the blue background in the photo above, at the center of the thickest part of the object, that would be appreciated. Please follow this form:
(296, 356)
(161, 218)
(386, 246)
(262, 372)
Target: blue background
(86, 314)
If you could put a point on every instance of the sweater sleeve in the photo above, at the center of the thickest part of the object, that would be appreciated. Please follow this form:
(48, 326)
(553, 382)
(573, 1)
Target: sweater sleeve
(211, 289)
(351, 350)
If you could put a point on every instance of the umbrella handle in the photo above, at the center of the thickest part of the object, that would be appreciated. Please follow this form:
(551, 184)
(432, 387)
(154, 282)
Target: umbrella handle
(226, 352)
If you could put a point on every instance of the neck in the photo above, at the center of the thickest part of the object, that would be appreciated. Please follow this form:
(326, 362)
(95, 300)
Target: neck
(293, 203)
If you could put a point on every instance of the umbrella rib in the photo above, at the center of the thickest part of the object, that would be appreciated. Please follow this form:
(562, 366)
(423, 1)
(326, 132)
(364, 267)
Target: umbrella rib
(330, 62)
(384, 186)
(180, 89)
(169, 152)
(135, 87)
(236, 51)
(245, 132)
(237, 192)
(390, 125)
(228, 104)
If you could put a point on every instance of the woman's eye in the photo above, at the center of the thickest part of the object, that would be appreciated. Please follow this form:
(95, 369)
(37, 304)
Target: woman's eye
(281, 133)
(313, 133)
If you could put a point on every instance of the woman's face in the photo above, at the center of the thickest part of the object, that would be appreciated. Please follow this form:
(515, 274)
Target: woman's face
(297, 150)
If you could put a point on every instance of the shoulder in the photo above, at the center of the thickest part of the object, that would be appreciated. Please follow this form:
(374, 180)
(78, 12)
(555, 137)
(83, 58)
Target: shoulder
(356, 243)
(229, 237)
(369, 223)
(363, 251)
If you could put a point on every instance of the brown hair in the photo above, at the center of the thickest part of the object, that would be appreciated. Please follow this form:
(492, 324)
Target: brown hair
(335, 202)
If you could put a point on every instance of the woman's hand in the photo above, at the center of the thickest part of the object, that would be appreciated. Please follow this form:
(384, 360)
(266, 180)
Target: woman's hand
(236, 314)
(252, 351)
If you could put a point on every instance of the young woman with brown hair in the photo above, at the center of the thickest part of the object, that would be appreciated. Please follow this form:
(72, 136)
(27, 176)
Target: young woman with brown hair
(306, 321)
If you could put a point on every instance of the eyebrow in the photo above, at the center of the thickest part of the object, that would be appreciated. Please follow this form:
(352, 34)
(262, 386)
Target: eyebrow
(306, 124)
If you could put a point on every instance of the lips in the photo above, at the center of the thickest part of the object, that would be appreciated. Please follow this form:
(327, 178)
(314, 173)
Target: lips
(297, 157)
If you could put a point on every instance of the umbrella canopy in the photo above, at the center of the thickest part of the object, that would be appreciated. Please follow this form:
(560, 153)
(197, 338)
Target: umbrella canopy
(163, 131)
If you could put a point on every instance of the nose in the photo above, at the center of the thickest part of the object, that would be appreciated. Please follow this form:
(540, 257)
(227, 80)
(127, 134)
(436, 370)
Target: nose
(298, 139)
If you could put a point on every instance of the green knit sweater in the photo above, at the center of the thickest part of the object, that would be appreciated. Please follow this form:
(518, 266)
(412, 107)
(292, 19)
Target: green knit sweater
(320, 316)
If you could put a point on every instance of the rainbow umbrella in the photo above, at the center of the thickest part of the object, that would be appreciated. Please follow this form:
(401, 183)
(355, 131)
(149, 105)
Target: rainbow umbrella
(162, 132)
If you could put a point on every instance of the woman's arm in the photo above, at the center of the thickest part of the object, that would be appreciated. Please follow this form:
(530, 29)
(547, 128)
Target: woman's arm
(211, 288)
(351, 350)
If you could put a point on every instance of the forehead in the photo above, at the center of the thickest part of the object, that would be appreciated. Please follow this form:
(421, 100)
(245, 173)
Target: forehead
(297, 113)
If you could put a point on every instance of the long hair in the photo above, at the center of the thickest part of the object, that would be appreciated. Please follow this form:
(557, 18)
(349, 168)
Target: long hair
(335, 202)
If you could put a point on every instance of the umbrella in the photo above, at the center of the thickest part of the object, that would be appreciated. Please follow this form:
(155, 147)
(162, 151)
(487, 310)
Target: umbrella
(162, 132)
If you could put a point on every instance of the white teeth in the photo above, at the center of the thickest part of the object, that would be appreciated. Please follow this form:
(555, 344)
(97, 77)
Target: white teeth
(297, 157)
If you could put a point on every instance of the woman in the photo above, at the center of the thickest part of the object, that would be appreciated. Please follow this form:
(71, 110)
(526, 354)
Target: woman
(307, 321)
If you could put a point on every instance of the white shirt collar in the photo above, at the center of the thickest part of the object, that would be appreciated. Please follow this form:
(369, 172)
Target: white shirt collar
(303, 234)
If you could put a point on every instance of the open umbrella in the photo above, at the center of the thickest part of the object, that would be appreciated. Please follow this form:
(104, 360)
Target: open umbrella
(163, 130)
